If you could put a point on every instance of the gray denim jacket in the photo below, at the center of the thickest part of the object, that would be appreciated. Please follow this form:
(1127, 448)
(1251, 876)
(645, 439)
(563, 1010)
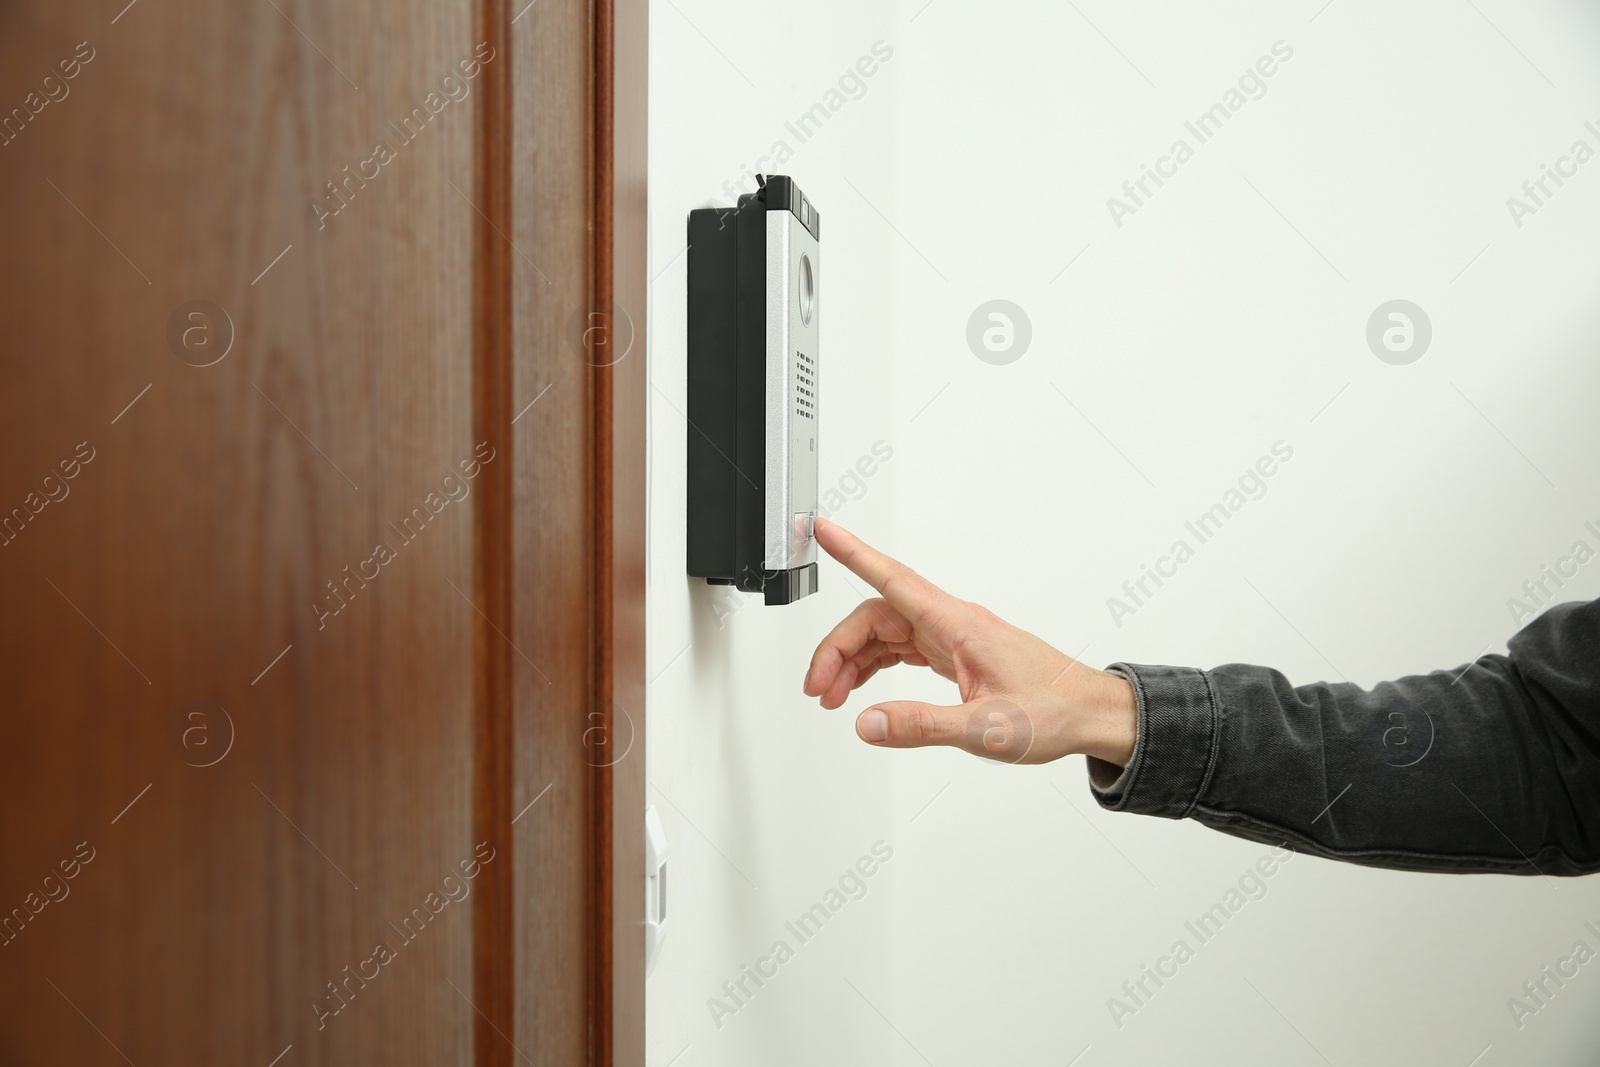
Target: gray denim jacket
(1490, 767)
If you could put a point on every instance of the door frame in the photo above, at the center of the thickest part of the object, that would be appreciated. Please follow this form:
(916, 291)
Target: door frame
(560, 301)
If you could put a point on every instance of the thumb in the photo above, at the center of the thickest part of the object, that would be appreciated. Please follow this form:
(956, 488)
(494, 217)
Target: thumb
(994, 729)
(911, 724)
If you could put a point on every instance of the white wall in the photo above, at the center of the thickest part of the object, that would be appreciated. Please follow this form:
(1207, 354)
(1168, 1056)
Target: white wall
(767, 800)
(1221, 317)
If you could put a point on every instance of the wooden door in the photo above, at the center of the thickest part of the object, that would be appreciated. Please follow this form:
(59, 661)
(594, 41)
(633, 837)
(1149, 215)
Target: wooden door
(320, 532)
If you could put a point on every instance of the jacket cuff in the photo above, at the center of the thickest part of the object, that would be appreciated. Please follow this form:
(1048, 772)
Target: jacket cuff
(1176, 745)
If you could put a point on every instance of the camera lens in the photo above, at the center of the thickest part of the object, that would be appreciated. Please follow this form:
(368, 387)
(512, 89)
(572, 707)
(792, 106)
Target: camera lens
(808, 289)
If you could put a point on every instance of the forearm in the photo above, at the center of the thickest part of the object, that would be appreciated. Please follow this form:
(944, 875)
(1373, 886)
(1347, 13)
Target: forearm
(1495, 767)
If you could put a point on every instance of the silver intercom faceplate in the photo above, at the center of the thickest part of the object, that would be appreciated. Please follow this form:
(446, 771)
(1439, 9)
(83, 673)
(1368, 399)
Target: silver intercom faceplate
(791, 498)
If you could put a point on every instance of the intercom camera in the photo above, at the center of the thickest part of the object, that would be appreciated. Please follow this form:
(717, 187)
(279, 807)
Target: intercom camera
(753, 402)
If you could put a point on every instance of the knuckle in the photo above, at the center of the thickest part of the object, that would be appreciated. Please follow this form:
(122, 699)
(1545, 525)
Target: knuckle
(956, 627)
(922, 726)
(978, 615)
(902, 577)
(967, 623)
(922, 586)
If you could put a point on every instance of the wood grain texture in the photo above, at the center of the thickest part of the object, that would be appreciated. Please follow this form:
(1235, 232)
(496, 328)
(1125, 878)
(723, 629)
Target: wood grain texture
(191, 551)
(603, 935)
(495, 573)
(629, 276)
(552, 176)
(214, 551)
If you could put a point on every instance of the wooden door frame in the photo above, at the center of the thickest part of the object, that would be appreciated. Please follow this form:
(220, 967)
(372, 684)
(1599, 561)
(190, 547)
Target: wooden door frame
(623, 191)
(539, 97)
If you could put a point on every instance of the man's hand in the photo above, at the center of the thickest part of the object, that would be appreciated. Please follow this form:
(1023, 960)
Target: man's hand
(1022, 701)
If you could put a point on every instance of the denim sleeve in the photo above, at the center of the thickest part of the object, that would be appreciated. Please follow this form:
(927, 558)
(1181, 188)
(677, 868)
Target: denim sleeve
(1491, 767)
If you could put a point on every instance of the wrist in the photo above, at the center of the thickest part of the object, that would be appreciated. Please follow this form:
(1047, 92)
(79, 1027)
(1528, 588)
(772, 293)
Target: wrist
(1106, 718)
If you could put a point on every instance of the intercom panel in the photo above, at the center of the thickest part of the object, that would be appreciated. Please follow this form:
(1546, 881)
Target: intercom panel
(754, 322)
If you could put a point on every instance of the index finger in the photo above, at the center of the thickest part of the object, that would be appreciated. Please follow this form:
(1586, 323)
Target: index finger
(910, 593)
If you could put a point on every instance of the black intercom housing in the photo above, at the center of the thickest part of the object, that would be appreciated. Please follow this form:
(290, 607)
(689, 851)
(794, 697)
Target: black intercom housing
(752, 435)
